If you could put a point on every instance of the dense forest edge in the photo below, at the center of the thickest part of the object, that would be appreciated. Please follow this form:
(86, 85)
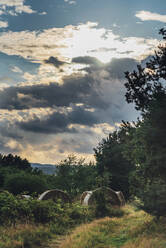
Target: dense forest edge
(132, 159)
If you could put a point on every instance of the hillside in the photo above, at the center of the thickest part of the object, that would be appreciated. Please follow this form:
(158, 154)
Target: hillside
(48, 169)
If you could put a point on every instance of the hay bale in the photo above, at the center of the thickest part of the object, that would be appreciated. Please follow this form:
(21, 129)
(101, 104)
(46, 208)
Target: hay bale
(111, 197)
(121, 198)
(83, 196)
(25, 197)
(54, 194)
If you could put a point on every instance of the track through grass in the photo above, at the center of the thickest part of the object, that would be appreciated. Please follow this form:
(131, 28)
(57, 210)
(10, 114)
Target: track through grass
(135, 229)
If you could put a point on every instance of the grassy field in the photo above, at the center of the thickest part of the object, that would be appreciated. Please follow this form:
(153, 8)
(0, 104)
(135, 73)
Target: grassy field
(135, 229)
(24, 236)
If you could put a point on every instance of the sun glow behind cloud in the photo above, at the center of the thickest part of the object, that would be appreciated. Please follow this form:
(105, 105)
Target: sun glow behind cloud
(74, 41)
(54, 52)
(89, 40)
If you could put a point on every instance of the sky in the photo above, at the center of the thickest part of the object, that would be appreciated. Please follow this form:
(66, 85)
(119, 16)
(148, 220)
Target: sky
(62, 65)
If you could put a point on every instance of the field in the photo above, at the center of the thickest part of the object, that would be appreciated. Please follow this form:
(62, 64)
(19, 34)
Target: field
(135, 229)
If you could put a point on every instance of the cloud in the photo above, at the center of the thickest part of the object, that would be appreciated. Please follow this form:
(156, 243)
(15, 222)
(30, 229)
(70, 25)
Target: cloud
(69, 42)
(149, 16)
(14, 7)
(75, 89)
(2, 12)
(114, 69)
(43, 13)
(58, 122)
(86, 60)
(117, 67)
(16, 69)
(51, 118)
(3, 24)
(54, 61)
(70, 1)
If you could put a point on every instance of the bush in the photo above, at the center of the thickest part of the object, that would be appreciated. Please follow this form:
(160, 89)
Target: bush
(61, 216)
(24, 182)
(8, 208)
(34, 239)
(43, 211)
(153, 199)
(103, 208)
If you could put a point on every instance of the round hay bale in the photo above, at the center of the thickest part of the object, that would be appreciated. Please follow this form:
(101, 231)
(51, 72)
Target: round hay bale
(83, 196)
(121, 198)
(25, 197)
(92, 197)
(54, 194)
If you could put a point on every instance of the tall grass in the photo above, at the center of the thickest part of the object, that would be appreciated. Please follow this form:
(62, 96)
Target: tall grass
(24, 236)
(135, 229)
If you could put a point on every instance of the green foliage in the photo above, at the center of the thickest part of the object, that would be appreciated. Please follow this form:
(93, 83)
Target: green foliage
(146, 143)
(63, 216)
(111, 163)
(8, 208)
(74, 176)
(35, 239)
(43, 211)
(153, 198)
(24, 235)
(102, 207)
(14, 162)
(24, 182)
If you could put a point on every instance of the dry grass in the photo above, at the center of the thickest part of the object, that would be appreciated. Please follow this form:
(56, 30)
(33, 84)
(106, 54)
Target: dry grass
(134, 230)
(23, 235)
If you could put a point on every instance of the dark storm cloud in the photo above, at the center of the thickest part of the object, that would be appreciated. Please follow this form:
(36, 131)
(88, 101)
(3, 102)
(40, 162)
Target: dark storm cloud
(54, 61)
(83, 117)
(115, 68)
(74, 90)
(59, 122)
(9, 131)
(86, 60)
(55, 123)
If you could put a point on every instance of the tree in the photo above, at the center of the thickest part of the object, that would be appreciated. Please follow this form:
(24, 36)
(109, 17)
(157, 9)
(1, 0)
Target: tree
(75, 176)
(15, 162)
(112, 163)
(24, 182)
(146, 88)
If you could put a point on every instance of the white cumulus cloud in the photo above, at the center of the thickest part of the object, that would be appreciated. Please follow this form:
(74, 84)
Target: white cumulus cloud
(149, 16)
(70, 1)
(3, 24)
(15, 6)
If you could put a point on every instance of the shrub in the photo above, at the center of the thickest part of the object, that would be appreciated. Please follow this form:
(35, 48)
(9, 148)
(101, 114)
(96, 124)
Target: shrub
(43, 211)
(8, 208)
(153, 199)
(34, 239)
(61, 217)
(25, 182)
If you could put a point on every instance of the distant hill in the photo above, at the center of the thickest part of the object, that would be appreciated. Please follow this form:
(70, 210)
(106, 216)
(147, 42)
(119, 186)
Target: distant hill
(49, 169)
